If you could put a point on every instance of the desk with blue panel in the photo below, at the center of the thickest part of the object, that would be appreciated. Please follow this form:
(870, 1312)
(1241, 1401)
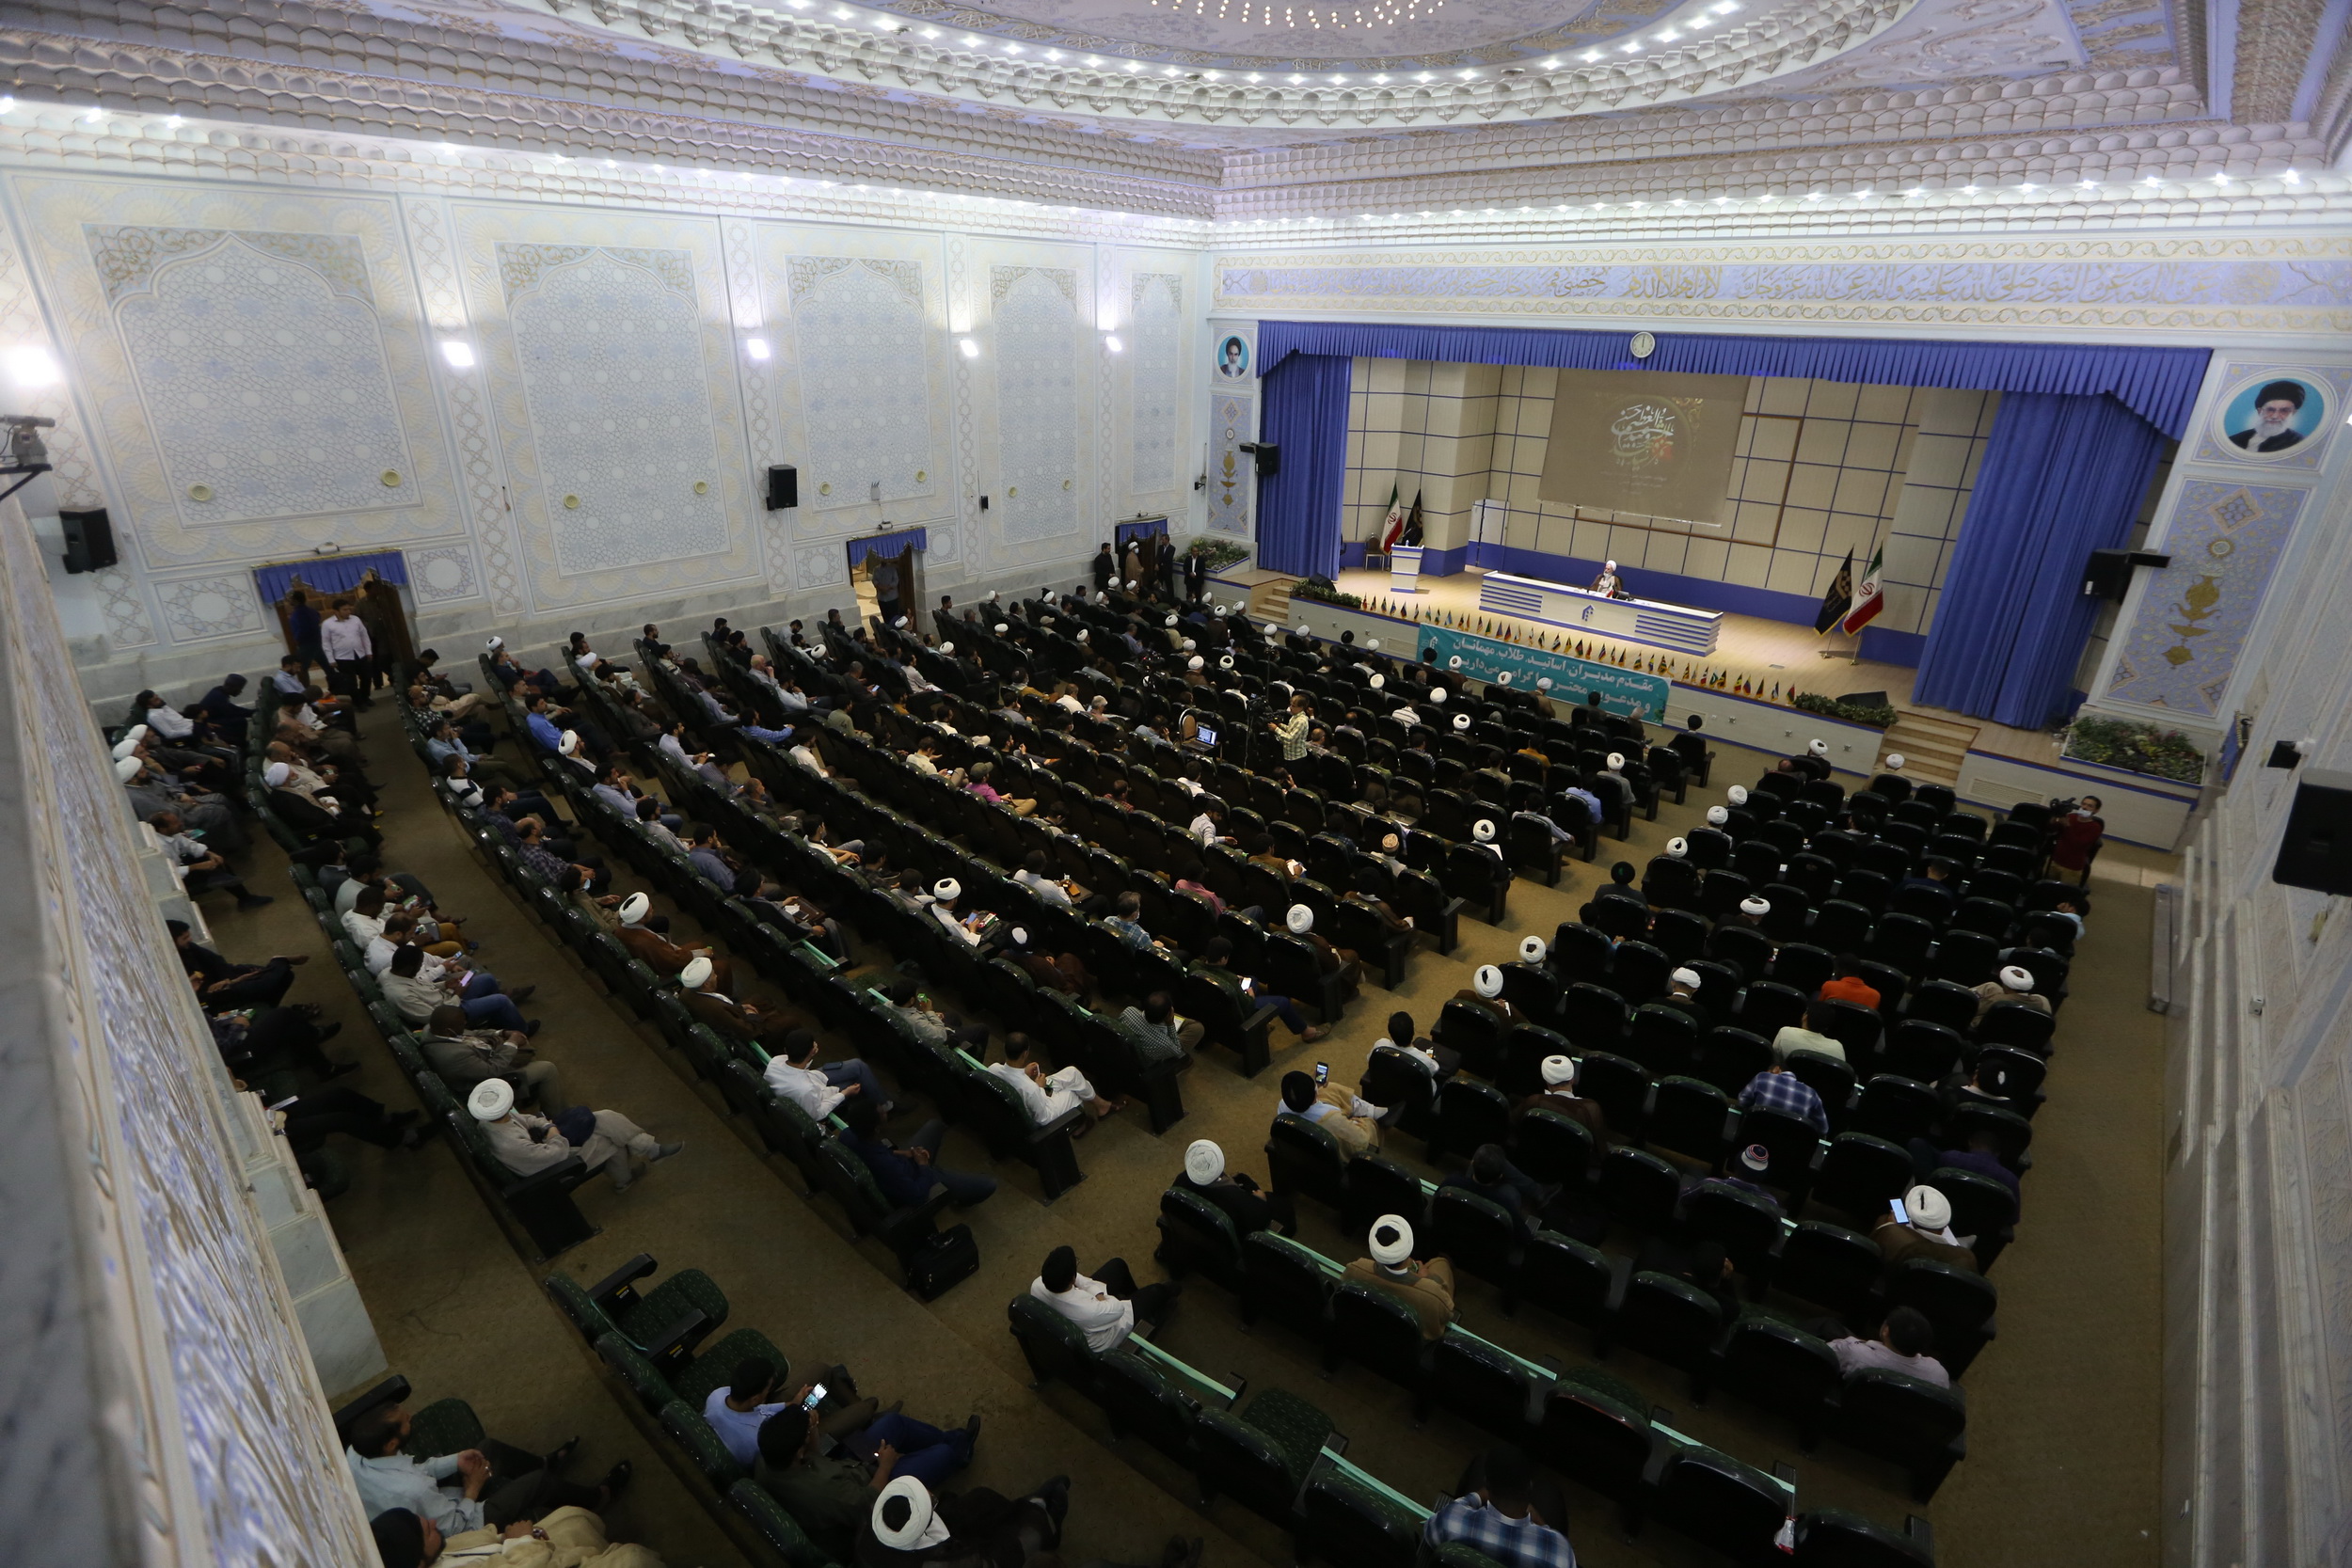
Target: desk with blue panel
(1644, 620)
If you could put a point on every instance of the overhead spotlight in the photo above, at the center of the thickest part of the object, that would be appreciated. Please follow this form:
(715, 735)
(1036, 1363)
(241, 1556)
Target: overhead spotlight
(968, 347)
(1110, 341)
(1968, 190)
(95, 115)
(2292, 177)
(457, 353)
(1591, 57)
(31, 366)
(756, 348)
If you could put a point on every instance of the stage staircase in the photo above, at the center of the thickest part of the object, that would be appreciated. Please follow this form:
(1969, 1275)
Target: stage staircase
(1931, 748)
(1271, 601)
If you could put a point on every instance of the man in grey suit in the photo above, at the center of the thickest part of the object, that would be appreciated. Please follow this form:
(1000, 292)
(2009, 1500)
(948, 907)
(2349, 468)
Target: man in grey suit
(462, 1056)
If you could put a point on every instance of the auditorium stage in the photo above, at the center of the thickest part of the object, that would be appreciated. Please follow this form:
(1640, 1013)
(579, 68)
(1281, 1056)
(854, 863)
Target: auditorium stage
(1759, 650)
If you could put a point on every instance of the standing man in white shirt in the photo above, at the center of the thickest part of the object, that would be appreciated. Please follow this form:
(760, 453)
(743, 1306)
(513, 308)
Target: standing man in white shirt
(350, 653)
(1105, 1306)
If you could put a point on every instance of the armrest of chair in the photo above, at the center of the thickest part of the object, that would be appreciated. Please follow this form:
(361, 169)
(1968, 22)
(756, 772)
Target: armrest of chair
(1620, 1276)
(677, 1342)
(1255, 1024)
(560, 1178)
(620, 1284)
(1059, 1127)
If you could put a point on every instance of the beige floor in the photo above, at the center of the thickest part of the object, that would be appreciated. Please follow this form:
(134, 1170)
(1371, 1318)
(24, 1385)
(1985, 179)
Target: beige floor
(2062, 1434)
(1768, 652)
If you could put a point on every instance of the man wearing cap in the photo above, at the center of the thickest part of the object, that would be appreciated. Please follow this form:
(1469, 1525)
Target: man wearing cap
(1348, 1116)
(1776, 1089)
(639, 932)
(464, 1056)
(1926, 1231)
(1238, 1194)
(2013, 983)
(1559, 1095)
(698, 989)
(1426, 1288)
(528, 1144)
(1485, 992)
(1106, 1305)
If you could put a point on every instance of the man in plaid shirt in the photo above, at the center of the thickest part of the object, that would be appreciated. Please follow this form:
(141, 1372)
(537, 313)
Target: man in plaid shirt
(1499, 1517)
(1775, 1089)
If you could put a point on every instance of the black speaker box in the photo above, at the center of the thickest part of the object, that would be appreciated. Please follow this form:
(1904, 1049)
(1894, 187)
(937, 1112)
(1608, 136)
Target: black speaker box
(90, 540)
(1267, 456)
(2316, 852)
(784, 486)
(2108, 574)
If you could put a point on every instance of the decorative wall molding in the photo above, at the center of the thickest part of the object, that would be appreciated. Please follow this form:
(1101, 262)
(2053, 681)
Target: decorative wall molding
(2181, 650)
(2185, 284)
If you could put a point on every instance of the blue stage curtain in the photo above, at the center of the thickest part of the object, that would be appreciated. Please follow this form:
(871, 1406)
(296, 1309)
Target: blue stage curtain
(2160, 385)
(2061, 477)
(329, 574)
(1299, 509)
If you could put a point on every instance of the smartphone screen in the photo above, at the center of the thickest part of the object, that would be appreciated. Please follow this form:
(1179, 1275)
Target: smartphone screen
(1323, 1073)
(1902, 1215)
(815, 1395)
(283, 1104)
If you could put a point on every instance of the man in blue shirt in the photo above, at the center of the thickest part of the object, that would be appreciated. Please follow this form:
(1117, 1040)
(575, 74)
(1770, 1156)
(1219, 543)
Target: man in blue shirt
(543, 728)
(1498, 1516)
(907, 1173)
(1775, 1089)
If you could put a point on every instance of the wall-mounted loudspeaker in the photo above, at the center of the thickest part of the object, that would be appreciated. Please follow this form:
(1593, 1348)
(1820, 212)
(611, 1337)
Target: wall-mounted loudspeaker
(2107, 575)
(90, 540)
(1268, 457)
(784, 486)
(2316, 852)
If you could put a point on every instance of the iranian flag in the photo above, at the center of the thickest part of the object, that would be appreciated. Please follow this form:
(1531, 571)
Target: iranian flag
(1870, 599)
(1396, 524)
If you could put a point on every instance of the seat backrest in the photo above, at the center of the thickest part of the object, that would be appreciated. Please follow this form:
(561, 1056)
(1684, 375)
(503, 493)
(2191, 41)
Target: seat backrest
(1237, 1458)
(1719, 1502)
(1639, 1189)
(1906, 1413)
(1285, 1281)
(1830, 1266)
(1832, 1538)
(1664, 1317)
(1347, 1523)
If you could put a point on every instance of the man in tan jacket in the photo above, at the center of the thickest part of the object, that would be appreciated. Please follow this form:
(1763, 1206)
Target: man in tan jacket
(1426, 1288)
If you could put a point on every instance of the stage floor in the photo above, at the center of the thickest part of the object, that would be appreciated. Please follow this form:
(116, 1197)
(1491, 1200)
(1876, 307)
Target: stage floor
(1759, 650)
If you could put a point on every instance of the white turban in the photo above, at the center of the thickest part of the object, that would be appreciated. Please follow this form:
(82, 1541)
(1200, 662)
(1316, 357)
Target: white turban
(1929, 1209)
(1225, 609)
(899, 624)
(1483, 831)
(1894, 762)
(1504, 679)
(1608, 565)
(1559, 1070)
(1203, 1162)
(1379, 681)
(1273, 630)
(1225, 661)
(570, 746)
(491, 1099)
(1300, 919)
(277, 773)
(496, 643)
(1392, 1239)
(1488, 981)
(138, 732)
(908, 1502)
(1436, 694)
(635, 908)
(1196, 661)
(1617, 761)
(1190, 645)
(1678, 847)
(1532, 950)
(947, 890)
(2017, 978)
(1818, 748)
(696, 973)
(1685, 977)
(124, 747)
(946, 647)
(1737, 795)
(1754, 907)
(1717, 817)
(1372, 645)
(128, 769)
(1453, 664)
(1461, 720)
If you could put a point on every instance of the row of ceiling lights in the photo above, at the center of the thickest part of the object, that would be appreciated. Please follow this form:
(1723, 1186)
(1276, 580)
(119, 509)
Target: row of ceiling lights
(2153, 184)
(1721, 8)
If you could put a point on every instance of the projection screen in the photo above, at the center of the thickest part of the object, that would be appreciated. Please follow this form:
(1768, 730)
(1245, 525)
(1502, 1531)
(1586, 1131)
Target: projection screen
(1652, 443)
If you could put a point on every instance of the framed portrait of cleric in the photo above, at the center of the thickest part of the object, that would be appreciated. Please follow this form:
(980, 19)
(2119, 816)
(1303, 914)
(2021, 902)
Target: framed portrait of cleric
(2277, 417)
(1232, 357)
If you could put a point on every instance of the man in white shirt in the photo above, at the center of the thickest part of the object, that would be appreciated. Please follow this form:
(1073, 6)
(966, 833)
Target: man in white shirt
(794, 1074)
(1049, 1095)
(1903, 1346)
(1105, 1306)
(350, 654)
(736, 1411)
(527, 1145)
(1032, 875)
(494, 1484)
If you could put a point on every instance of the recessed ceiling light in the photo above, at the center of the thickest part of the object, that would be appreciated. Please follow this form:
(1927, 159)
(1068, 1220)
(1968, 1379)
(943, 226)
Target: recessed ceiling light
(756, 347)
(841, 14)
(1254, 76)
(2292, 177)
(2093, 184)
(1862, 195)
(1632, 47)
(1470, 76)
(1383, 81)
(1052, 54)
(1295, 80)
(1424, 76)
(931, 32)
(31, 366)
(1551, 65)
(458, 355)
(1668, 37)
(1967, 190)
(1338, 81)
(95, 115)
(1012, 49)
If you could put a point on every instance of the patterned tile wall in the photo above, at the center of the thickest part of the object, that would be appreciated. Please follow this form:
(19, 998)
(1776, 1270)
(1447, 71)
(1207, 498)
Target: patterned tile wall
(1819, 467)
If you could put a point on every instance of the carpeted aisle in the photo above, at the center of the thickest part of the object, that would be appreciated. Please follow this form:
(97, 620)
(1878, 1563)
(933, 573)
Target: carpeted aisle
(2063, 1408)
